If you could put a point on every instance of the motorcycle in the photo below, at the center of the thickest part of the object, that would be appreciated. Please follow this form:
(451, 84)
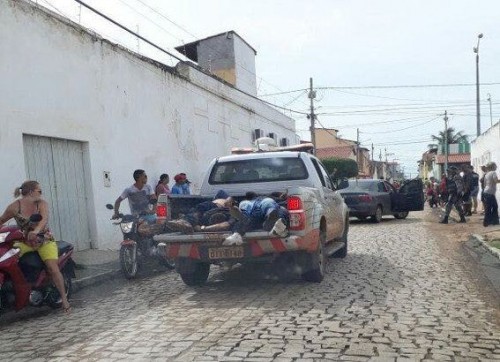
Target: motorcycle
(137, 248)
(24, 280)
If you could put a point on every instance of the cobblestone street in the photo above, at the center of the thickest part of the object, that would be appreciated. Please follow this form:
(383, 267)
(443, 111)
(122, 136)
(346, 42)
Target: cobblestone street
(402, 292)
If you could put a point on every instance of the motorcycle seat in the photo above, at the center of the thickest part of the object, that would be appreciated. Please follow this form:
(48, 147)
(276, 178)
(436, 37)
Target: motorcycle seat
(63, 247)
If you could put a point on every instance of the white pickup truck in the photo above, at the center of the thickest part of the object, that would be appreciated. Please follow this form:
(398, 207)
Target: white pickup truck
(319, 218)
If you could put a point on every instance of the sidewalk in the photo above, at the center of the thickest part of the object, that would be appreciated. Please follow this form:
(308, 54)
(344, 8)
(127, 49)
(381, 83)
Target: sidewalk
(488, 237)
(94, 266)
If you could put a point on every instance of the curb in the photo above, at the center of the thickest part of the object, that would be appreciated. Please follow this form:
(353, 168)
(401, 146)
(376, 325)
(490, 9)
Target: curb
(493, 251)
(81, 283)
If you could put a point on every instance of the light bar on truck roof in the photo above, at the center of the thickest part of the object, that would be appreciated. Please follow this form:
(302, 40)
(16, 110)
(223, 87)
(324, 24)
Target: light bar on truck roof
(304, 147)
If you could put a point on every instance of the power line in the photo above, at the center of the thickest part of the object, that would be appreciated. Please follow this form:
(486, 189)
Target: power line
(406, 105)
(399, 143)
(402, 129)
(213, 49)
(409, 86)
(173, 55)
(166, 18)
(284, 92)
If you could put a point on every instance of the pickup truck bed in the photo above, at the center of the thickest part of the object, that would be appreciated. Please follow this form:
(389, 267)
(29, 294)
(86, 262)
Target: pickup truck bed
(318, 217)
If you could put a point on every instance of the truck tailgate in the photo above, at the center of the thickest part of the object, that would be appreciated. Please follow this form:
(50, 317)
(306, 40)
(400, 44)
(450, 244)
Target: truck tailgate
(208, 246)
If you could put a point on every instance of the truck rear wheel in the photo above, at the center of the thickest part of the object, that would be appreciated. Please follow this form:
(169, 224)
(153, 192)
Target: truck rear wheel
(316, 262)
(198, 276)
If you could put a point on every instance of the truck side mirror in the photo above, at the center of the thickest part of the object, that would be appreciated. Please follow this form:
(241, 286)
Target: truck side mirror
(343, 184)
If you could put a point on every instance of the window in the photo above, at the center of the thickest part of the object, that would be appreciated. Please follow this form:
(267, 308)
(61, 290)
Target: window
(318, 170)
(328, 181)
(258, 170)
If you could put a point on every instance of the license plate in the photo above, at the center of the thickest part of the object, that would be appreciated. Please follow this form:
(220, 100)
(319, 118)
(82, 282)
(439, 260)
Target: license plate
(232, 252)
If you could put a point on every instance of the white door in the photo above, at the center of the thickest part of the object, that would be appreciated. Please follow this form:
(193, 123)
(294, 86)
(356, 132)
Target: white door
(58, 165)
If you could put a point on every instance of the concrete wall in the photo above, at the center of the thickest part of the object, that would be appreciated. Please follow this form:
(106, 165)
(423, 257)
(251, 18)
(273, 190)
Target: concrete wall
(245, 66)
(486, 148)
(326, 137)
(60, 81)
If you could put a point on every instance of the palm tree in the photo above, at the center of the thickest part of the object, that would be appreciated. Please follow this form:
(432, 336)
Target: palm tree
(452, 136)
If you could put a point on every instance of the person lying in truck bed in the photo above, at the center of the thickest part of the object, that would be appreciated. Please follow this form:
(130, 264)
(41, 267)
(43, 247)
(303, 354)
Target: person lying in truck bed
(255, 212)
(207, 216)
(262, 212)
(211, 215)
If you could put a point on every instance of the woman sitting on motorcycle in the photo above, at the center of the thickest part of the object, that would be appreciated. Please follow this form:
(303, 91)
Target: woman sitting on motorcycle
(30, 203)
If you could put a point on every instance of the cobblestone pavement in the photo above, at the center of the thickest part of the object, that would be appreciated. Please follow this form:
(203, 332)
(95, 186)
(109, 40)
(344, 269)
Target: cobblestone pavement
(397, 295)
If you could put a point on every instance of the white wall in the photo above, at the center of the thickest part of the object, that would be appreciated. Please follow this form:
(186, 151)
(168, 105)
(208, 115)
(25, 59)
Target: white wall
(486, 148)
(58, 80)
(245, 66)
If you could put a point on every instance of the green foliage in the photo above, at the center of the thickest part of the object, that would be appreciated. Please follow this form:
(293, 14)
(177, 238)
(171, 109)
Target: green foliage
(345, 167)
(451, 136)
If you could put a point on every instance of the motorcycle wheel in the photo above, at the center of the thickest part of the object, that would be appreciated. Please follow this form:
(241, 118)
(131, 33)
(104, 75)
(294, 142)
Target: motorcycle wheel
(54, 298)
(128, 261)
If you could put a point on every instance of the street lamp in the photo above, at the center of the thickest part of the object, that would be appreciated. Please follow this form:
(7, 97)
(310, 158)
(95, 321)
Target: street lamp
(491, 115)
(478, 112)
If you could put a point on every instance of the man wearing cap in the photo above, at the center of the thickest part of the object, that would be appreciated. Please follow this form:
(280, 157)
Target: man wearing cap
(181, 186)
(455, 189)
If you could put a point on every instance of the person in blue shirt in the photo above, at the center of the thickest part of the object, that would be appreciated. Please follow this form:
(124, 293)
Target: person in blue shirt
(181, 186)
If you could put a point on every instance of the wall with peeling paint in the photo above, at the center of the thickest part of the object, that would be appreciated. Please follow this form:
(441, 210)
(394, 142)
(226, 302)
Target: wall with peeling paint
(58, 80)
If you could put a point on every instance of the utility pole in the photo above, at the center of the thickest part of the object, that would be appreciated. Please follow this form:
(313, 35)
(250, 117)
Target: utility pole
(357, 149)
(445, 141)
(312, 116)
(373, 150)
(478, 107)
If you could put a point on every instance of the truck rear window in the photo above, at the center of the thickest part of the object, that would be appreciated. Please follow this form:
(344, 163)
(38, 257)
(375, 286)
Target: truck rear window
(258, 170)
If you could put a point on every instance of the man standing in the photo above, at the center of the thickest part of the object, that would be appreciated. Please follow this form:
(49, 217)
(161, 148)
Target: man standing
(139, 196)
(467, 201)
(455, 189)
(474, 188)
(490, 201)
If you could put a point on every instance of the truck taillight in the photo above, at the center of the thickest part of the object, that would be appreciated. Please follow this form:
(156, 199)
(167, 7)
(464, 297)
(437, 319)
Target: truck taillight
(296, 213)
(294, 203)
(161, 211)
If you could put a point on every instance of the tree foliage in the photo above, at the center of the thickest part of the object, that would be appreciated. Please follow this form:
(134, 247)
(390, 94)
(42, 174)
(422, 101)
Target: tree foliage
(344, 167)
(452, 135)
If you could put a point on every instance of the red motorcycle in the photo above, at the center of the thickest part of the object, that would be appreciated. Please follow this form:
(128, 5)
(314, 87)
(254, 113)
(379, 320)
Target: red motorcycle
(24, 281)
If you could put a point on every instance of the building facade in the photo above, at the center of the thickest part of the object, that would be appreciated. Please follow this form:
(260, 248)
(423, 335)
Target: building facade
(80, 114)
(486, 148)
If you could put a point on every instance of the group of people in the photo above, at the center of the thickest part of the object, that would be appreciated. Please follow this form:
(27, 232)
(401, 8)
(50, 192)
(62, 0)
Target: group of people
(220, 214)
(140, 194)
(461, 189)
(181, 186)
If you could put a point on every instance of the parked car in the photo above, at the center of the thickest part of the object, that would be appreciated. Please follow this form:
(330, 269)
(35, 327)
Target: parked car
(375, 198)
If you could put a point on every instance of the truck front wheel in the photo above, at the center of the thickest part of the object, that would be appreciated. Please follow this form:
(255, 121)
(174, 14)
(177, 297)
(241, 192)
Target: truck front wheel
(197, 276)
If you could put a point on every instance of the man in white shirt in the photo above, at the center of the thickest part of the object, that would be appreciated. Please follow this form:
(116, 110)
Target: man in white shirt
(139, 196)
(490, 201)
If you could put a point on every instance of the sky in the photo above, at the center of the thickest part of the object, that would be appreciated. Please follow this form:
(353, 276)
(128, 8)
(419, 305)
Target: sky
(387, 68)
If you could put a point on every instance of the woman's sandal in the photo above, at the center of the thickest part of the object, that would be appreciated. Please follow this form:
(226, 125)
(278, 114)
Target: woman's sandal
(67, 310)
